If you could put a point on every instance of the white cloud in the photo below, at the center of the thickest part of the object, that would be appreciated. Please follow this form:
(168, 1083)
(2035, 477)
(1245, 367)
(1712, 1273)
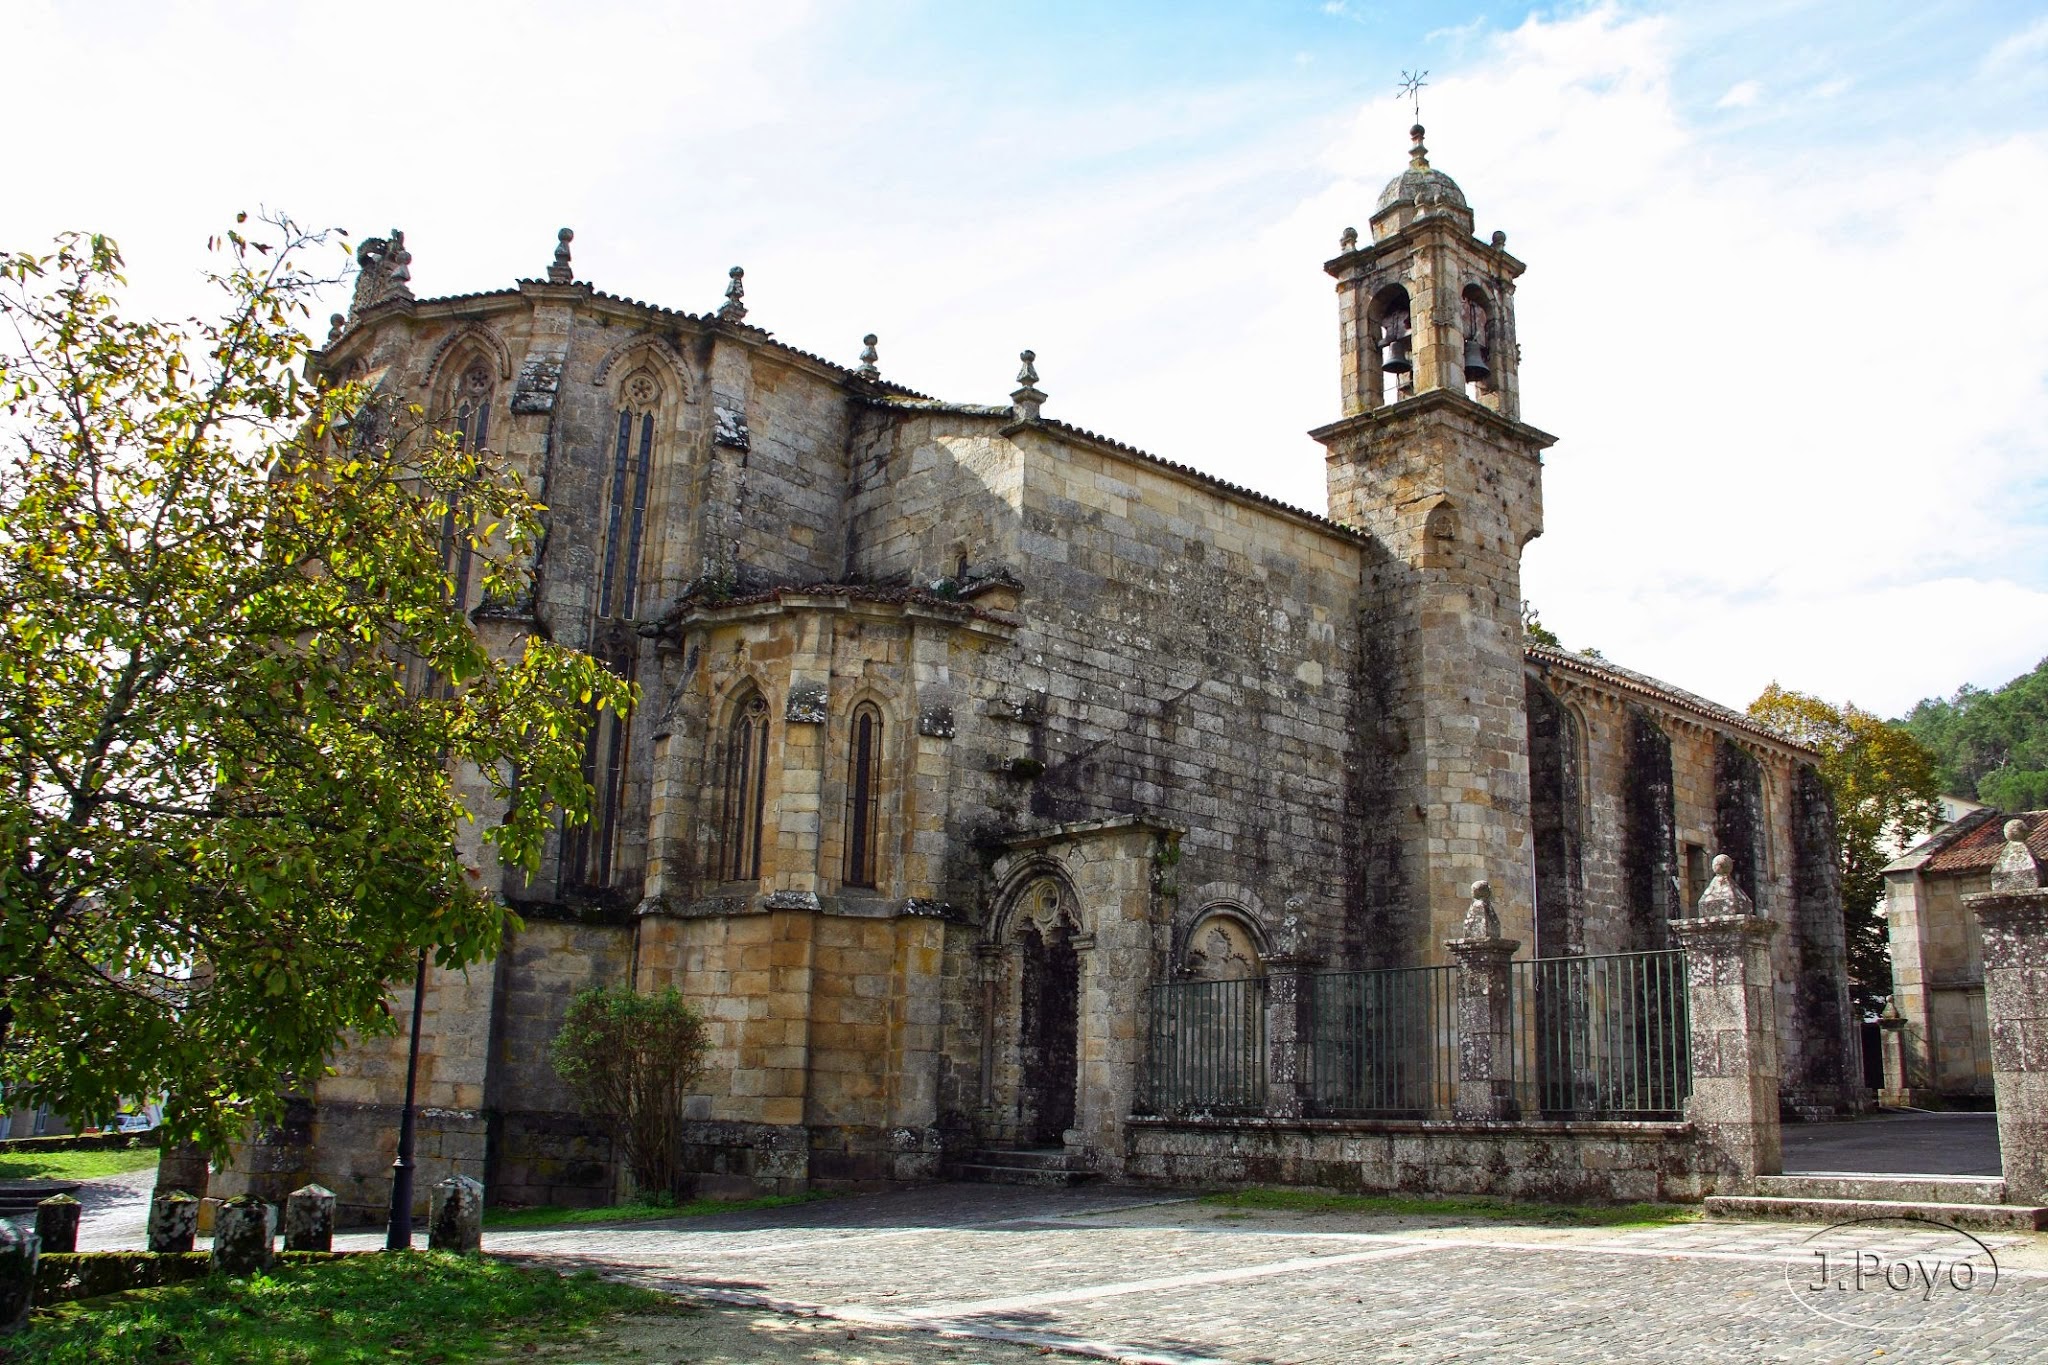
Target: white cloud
(1800, 417)
(1740, 96)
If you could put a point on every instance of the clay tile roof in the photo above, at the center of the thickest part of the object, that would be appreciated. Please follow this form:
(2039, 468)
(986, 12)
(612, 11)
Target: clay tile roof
(1235, 490)
(1628, 680)
(859, 592)
(1978, 850)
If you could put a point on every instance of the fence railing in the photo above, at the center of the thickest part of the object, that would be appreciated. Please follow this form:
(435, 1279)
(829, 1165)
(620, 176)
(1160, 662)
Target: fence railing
(1382, 1042)
(1208, 1052)
(1590, 1037)
(1602, 1035)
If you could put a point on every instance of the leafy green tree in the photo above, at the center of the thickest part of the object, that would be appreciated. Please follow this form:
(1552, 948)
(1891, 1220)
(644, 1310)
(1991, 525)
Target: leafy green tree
(1992, 746)
(1885, 791)
(236, 693)
(632, 1059)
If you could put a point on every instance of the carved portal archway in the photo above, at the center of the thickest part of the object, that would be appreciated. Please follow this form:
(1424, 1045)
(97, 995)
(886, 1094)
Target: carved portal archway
(1033, 965)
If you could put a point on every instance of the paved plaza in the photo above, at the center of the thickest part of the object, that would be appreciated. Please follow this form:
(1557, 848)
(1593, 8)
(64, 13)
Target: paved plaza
(1137, 1275)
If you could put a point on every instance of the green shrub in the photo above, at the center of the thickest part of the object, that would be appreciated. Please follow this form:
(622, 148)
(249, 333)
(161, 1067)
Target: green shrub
(631, 1060)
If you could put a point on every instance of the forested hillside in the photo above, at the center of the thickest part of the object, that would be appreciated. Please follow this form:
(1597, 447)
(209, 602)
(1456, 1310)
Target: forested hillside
(1992, 746)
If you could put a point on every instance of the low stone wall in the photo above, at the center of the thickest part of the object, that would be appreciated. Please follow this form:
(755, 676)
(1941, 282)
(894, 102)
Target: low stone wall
(544, 1157)
(353, 1144)
(1565, 1161)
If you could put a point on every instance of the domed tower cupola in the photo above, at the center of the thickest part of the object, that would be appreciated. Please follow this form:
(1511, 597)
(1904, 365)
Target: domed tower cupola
(1426, 306)
(1418, 192)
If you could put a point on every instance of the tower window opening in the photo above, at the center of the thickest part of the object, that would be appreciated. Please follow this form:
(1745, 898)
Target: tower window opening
(1478, 342)
(1393, 335)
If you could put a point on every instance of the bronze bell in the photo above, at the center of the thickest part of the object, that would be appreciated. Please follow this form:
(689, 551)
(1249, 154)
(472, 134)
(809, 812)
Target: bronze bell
(1395, 358)
(1476, 369)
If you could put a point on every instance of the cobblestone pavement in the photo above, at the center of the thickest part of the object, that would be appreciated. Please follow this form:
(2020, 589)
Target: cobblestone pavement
(1132, 1275)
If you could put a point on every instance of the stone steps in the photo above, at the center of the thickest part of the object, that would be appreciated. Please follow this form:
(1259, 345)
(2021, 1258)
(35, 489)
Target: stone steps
(20, 1197)
(1044, 1166)
(1909, 1189)
(1996, 1217)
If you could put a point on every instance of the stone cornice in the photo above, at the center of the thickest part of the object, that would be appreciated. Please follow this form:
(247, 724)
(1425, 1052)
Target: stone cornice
(1433, 401)
(1078, 831)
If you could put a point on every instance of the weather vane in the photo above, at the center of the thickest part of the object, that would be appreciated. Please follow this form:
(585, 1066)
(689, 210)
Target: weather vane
(1411, 86)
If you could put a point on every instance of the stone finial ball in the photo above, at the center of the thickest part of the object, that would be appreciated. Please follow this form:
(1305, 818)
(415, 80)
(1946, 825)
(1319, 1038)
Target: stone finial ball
(1482, 891)
(735, 272)
(566, 235)
(2016, 831)
(868, 340)
(1723, 865)
(1027, 356)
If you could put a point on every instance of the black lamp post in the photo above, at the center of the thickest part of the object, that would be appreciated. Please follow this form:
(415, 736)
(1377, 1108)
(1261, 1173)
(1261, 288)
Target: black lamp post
(398, 1237)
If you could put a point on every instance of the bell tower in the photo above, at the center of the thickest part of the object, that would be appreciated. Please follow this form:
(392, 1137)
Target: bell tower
(1431, 457)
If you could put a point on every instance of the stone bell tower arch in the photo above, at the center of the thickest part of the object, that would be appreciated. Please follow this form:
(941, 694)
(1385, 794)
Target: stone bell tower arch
(1432, 458)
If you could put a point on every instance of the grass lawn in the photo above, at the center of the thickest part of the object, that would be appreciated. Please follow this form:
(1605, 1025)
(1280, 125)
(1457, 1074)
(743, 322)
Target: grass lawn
(1472, 1206)
(414, 1306)
(19, 1165)
(551, 1215)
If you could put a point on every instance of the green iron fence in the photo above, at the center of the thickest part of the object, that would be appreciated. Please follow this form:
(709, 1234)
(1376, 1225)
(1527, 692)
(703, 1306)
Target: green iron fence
(1592, 1037)
(1602, 1036)
(1383, 1042)
(1208, 1047)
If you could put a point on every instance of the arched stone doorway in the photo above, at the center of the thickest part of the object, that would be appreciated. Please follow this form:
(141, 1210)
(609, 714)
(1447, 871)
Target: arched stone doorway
(1035, 1004)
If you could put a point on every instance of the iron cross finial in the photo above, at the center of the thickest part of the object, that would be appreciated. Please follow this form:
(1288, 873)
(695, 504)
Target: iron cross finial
(1411, 86)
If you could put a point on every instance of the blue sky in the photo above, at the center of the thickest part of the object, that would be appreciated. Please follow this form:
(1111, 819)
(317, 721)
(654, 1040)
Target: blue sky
(1785, 307)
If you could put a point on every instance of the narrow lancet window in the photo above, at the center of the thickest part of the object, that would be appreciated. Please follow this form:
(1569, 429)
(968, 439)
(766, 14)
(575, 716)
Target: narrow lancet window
(864, 759)
(626, 518)
(746, 764)
(470, 420)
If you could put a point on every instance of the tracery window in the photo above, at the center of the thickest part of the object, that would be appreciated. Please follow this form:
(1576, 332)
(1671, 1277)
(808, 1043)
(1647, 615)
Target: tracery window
(863, 792)
(470, 420)
(746, 766)
(626, 519)
(588, 849)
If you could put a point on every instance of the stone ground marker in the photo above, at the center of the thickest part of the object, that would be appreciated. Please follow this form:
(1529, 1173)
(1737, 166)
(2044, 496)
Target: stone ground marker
(18, 1252)
(309, 1219)
(457, 1220)
(57, 1222)
(242, 1232)
(173, 1221)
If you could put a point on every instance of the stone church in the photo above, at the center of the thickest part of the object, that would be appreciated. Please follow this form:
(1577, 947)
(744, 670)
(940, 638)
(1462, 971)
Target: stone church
(963, 726)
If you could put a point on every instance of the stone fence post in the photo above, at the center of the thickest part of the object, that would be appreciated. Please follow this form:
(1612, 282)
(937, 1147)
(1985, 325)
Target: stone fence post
(18, 1254)
(173, 1221)
(57, 1223)
(1734, 1104)
(244, 1235)
(1289, 1028)
(2013, 919)
(1891, 1025)
(1486, 1039)
(457, 1219)
(309, 1219)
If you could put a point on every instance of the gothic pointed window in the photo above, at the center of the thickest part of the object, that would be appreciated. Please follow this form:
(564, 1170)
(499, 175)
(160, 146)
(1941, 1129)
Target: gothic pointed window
(863, 789)
(470, 424)
(589, 849)
(626, 516)
(745, 764)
